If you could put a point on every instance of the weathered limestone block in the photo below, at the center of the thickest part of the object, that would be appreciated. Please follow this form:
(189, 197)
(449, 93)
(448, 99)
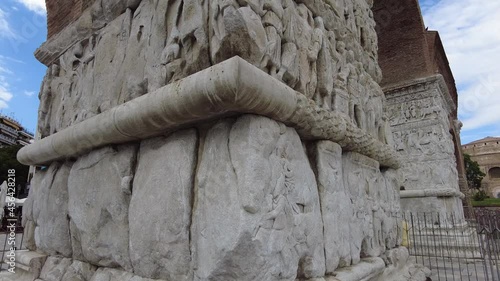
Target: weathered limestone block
(238, 32)
(109, 274)
(336, 207)
(398, 267)
(392, 231)
(28, 221)
(50, 211)
(356, 181)
(28, 266)
(373, 223)
(99, 196)
(79, 271)
(29, 235)
(160, 208)
(367, 269)
(54, 268)
(107, 81)
(257, 214)
(359, 204)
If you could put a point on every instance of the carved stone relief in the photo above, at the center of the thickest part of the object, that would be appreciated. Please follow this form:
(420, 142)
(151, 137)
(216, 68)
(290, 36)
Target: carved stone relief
(263, 193)
(139, 46)
(421, 131)
(246, 204)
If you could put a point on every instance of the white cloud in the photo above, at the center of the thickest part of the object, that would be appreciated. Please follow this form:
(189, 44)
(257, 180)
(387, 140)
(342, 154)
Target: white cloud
(470, 31)
(11, 59)
(3, 105)
(4, 70)
(37, 6)
(5, 28)
(5, 94)
(29, 93)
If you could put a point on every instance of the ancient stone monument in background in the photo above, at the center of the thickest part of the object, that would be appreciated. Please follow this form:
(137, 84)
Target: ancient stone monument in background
(221, 140)
(486, 152)
(422, 110)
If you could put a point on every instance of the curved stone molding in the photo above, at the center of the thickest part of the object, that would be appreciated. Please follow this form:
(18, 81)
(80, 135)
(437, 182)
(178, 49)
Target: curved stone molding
(233, 86)
(444, 192)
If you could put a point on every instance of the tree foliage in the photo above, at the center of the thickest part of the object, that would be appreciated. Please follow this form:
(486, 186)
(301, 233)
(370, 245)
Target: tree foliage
(473, 172)
(9, 161)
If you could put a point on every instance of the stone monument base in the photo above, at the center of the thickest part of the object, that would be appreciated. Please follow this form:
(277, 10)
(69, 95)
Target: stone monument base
(394, 265)
(224, 175)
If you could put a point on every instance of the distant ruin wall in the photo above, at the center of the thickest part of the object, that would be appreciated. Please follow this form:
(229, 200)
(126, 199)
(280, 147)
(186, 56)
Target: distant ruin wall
(418, 112)
(409, 54)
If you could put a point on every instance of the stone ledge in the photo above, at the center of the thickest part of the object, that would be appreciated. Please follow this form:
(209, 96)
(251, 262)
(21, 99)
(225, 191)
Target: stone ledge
(28, 266)
(443, 192)
(367, 269)
(230, 87)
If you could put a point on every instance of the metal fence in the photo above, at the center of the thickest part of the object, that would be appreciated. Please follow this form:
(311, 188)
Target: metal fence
(454, 248)
(11, 237)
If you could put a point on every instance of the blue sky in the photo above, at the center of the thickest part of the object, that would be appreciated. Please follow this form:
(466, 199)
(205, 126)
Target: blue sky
(22, 30)
(469, 29)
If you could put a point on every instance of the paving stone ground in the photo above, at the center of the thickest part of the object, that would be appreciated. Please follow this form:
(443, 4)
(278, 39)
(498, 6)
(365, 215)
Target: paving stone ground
(449, 269)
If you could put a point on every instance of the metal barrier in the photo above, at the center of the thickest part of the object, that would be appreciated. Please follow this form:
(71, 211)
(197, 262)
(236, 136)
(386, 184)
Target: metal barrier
(11, 237)
(455, 248)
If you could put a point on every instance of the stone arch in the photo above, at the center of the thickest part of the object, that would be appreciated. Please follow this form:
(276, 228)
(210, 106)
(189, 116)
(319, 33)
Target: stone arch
(494, 173)
(496, 192)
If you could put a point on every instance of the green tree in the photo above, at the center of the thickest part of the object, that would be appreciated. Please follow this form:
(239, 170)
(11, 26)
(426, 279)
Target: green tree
(473, 172)
(9, 161)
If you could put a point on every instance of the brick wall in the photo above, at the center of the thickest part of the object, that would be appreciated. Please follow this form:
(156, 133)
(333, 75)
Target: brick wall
(403, 50)
(440, 63)
(63, 12)
(406, 49)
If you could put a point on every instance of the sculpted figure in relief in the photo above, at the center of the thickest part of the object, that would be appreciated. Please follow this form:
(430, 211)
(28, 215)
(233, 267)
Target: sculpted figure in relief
(289, 70)
(411, 112)
(323, 65)
(171, 55)
(307, 44)
(45, 98)
(374, 108)
(384, 131)
(360, 22)
(281, 219)
(218, 9)
(343, 67)
(255, 5)
(349, 15)
(273, 25)
(193, 36)
(414, 141)
(429, 110)
(400, 141)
